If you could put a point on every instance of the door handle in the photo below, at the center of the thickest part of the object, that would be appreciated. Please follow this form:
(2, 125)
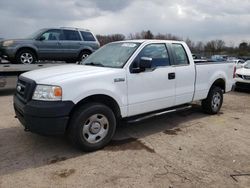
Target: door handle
(171, 75)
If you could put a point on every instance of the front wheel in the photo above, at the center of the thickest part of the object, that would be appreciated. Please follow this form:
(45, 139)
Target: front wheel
(26, 57)
(92, 126)
(213, 102)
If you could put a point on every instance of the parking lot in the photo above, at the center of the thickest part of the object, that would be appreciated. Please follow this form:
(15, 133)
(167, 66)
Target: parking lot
(184, 149)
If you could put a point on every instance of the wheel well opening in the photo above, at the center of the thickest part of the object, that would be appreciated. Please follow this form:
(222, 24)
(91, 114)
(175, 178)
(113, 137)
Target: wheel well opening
(27, 48)
(85, 50)
(104, 99)
(220, 83)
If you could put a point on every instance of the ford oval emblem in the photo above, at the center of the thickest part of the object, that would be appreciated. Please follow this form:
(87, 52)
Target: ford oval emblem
(18, 88)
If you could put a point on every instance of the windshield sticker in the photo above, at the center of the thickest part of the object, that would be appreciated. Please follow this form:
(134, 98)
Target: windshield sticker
(129, 45)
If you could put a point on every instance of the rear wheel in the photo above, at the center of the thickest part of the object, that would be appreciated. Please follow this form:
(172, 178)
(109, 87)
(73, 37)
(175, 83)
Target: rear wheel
(84, 54)
(213, 102)
(26, 56)
(92, 126)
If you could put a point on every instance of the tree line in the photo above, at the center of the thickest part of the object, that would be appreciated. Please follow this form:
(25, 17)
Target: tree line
(201, 48)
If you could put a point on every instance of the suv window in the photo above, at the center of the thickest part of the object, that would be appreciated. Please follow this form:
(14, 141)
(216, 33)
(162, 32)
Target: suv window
(71, 35)
(53, 34)
(158, 53)
(180, 54)
(87, 36)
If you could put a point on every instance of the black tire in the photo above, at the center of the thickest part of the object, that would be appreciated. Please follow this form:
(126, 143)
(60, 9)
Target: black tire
(214, 100)
(84, 124)
(83, 55)
(26, 56)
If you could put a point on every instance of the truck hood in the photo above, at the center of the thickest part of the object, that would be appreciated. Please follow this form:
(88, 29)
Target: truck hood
(57, 74)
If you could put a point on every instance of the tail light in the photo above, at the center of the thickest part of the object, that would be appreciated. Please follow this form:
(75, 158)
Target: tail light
(234, 74)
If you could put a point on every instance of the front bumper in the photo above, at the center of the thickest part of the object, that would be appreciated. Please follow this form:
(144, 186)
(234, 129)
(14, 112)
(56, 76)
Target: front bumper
(43, 117)
(7, 53)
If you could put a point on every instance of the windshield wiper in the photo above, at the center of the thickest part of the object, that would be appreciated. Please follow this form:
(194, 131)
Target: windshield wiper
(94, 64)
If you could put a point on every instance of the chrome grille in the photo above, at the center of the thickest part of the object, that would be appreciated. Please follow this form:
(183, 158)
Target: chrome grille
(25, 88)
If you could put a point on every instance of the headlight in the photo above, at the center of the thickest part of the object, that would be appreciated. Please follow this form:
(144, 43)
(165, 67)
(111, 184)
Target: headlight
(8, 43)
(47, 93)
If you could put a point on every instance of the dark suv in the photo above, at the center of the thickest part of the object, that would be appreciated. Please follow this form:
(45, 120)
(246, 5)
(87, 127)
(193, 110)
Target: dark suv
(59, 44)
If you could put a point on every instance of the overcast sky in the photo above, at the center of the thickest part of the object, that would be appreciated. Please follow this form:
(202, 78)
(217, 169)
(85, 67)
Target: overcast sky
(197, 19)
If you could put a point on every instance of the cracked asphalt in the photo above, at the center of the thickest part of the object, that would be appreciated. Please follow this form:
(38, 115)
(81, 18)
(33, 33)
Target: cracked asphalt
(184, 149)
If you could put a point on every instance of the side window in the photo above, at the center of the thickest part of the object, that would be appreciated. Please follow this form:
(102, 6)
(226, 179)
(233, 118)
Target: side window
(71, 35)
(180, 54)
(158, 53)
(53, 34)
(87, 36)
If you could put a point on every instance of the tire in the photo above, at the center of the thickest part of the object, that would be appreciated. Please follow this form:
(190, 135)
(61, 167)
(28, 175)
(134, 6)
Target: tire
(26, 56)
(83, 55)
(214, 100)
(92, 126)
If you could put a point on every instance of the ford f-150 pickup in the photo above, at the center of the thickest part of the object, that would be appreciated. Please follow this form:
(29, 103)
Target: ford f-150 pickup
(130, 80)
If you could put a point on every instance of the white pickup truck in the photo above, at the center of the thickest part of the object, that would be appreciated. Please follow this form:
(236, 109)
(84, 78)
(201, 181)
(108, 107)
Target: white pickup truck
(130, 80)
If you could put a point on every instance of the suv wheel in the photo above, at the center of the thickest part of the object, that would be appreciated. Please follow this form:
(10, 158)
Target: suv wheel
(83, 55)
(92, 126)
(26, 57)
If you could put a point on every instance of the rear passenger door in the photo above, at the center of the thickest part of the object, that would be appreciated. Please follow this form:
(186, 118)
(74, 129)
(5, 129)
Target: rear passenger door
(184, 74)
(70, 43)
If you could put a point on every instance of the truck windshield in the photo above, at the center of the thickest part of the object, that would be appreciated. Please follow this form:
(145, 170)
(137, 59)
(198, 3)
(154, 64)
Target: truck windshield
(113, 55)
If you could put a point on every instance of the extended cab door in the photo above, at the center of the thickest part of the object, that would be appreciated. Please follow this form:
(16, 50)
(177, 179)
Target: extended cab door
(184, 73)
(154, 88)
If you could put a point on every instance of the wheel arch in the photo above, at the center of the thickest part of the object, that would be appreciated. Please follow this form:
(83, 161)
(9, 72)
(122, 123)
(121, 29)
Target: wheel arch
(27, 48)
(220, 82)
(99, 98)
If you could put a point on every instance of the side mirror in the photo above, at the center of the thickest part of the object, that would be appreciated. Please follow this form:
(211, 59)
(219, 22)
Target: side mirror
(145, 63)
(41, 38)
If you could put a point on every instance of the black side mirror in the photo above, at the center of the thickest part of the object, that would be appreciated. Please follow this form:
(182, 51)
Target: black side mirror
(41, 38)
(145, 63)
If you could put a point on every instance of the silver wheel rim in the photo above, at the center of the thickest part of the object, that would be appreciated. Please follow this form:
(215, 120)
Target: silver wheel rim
(84, 56)
(216, 101)
(95, 128)
(26, 58)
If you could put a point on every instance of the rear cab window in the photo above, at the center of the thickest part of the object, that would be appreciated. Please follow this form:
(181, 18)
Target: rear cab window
(87, 36)
(180, 54)
(71, 35)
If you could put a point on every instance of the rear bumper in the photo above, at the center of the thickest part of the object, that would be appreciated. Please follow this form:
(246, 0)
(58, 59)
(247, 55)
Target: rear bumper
(42, 117)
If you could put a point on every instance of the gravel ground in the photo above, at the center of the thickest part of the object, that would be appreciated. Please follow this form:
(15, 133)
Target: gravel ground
(184, 149)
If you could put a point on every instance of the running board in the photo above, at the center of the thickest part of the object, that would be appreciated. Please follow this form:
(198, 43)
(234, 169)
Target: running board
(159, 113)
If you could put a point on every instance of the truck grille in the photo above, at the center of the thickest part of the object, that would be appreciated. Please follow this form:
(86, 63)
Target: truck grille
(25, 88)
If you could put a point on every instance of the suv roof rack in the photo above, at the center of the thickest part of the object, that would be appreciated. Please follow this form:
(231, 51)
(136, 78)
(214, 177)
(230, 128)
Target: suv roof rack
(74, 28)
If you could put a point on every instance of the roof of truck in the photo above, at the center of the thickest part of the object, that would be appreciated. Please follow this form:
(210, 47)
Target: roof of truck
(152, 40)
